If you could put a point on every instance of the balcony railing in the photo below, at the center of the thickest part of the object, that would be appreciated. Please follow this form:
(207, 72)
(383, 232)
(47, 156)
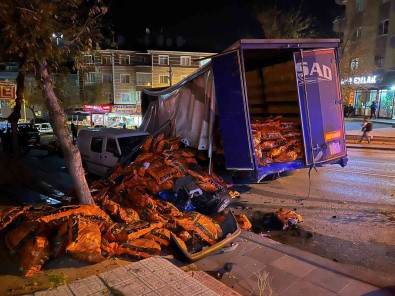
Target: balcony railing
(341, 2)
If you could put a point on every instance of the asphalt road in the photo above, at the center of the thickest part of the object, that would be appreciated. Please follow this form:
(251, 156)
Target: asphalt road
(349, 213)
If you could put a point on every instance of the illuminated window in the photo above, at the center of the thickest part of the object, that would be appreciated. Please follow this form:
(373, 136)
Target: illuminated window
(124, 59)
(143, 78)
(354, 64)
(88, 59)
(379, 61)
(125, 78)
(185, 61)
(126, 98)
(164, 79)
(360, 5)
(163, 59)
(358, 33)
(383, 28)
(107, 78)
(106, 60)
(90, 78)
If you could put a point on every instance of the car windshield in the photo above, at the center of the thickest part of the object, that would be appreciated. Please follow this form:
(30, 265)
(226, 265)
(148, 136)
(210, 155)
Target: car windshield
(127, 144)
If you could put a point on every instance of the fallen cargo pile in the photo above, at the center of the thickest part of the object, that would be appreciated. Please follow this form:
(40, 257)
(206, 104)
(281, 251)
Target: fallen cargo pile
(130, 218)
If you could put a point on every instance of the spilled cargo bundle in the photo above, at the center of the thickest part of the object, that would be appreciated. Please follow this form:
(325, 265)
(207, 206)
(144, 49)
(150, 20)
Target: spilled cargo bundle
(139, 210)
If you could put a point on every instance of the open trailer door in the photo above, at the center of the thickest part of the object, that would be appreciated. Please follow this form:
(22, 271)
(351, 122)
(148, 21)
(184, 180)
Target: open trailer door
(233, 111)
(321, 106)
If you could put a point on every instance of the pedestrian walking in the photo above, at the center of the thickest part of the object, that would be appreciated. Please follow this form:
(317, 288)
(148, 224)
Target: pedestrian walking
(367, 127)
(373, 109)
(74, 132)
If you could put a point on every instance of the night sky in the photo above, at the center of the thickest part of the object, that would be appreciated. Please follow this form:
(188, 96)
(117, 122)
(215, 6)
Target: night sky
(209, 26)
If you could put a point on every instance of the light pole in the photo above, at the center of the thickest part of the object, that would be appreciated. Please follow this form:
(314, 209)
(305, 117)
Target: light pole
(57, 37)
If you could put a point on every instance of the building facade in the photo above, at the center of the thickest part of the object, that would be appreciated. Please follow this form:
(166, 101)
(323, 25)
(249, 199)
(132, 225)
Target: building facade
(107, 90)
(368, 52)
(112, 81)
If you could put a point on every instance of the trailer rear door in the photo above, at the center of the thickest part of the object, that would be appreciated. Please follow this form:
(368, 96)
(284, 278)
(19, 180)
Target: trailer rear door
(233, 111)
(320, 105)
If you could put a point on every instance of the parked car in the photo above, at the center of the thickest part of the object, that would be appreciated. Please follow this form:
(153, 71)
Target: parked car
(33, 135)
(102, 148)
(44, 128)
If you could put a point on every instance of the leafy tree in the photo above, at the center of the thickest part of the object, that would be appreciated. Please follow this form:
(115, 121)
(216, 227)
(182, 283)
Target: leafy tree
(28, 28)
(284, 23)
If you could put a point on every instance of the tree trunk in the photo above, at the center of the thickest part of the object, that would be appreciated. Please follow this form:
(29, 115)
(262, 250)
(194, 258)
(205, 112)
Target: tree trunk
(58, 121)
(16, 113)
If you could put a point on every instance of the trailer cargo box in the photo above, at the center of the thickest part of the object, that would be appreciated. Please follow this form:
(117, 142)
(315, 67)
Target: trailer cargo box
(277, 102)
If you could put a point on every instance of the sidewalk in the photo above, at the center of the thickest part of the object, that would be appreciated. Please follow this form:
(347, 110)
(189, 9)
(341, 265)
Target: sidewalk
(382, 136)
(256, 260)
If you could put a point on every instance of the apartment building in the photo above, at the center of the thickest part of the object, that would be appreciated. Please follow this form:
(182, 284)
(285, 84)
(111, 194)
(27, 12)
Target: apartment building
(112, 80)
(368, 47)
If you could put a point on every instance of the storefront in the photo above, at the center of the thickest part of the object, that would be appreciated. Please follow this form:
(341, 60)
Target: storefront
(107, 115)
(373, 88)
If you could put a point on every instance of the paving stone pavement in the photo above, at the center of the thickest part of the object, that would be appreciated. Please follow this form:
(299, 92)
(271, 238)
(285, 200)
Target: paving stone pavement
(148, 277)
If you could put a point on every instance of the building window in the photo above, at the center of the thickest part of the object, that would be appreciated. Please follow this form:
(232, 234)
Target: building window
(354, 64)
(125, 78)
(88, 59)
(383, 28)
(124, 59)
(143, 78)
(107, 78)
(379, 61)
(358, 33)
(141, 59)
(164, 79)
(106, 60)
(360, 5)
(90, 78)
(185, 61)
(126, 98)
(163, 60)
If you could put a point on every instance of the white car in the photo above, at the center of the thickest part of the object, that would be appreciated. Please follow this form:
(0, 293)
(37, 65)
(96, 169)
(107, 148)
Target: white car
(44, 128)
(102, 148)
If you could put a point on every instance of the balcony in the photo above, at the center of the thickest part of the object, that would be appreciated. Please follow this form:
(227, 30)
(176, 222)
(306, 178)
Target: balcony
(341, 2)
(339, 24)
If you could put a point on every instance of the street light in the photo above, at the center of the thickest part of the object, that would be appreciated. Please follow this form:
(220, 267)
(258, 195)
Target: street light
(57, 37)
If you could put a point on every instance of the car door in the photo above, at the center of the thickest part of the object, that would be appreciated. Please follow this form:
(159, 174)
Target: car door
(101, 159)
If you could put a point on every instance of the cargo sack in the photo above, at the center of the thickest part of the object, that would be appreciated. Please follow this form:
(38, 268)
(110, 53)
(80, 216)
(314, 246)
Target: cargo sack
(10, 214)
(141, 200)
(168, 145)
(120, 232)
(185, 236)
(153, 186)
(289, 125)
(118, 213)
(179, 162)
(150, 215)
(288, 218)
(203, 228)
(160, 235)
(108, 249)
(18, 236)
(34, 254)
(163, 173)
(60, 241)
(267, 145)
(148, 144)
(139, 248)
(243, 221)
(63, 214)
(270, 133)
(84, 241)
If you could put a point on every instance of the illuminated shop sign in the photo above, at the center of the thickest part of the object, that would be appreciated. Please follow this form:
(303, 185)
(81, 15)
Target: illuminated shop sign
(7, 91)
(370, 79)
(129, 109)
(100, 108)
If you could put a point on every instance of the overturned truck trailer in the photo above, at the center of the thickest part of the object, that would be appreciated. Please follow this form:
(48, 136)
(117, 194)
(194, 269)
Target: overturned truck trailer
(269, 105)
